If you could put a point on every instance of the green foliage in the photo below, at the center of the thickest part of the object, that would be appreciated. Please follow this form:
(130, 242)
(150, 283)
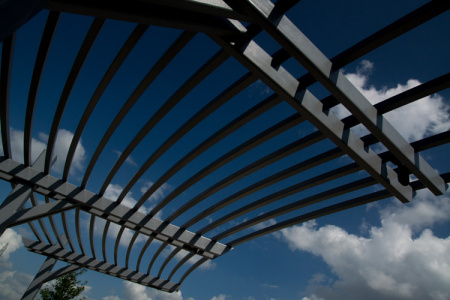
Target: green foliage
(65, 287)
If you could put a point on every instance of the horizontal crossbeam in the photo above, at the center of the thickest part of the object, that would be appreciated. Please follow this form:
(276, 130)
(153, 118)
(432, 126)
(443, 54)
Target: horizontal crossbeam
(99, 266)
(92, 203)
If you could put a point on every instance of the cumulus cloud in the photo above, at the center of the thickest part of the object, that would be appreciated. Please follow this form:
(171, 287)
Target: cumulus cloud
(133, 291)
(62, 144)
(312, 297)
(111, 298)
(220, 297)
(427, 116)
(207, 265)
(272, 286)
(158, 194)
(129, 160)
(13, 284)
(12, 241)
(264, 224)
(112, 192)
(401, 259)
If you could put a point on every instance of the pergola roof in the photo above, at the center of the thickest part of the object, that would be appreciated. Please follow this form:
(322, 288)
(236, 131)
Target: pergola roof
(162, 96)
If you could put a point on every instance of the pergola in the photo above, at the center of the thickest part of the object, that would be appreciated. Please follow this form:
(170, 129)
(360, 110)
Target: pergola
(195, 150)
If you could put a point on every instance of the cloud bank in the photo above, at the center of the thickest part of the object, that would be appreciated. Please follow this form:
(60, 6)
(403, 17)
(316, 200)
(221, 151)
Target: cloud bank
(401, 259)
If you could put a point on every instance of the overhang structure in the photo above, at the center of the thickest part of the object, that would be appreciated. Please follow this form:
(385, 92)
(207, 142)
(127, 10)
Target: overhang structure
(66, 216)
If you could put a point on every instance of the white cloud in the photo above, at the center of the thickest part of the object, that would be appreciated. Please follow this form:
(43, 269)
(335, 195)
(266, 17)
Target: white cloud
(312, 297)
(273, 286)
(133, 291)
(129, 160)
(16, 141)
(220, 297)
(13, 284)
(158, 194)
(264, 224)
(62, 144)
(12, 240)
(401, 259)
(207, 265)
(111, 298)
(429, 115)
(112, 192)
(258, 88)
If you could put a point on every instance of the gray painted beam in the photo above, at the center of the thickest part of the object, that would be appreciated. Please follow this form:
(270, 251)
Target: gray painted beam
(17, 198)
(13, 203)
(193, 81)
(298, 45)
(361, 200)
(41, 58)
(259, 62)
(39, 279)
(85, 48)
(62, 271)
(154, 72)
(127, 47)
(99, 266)
(5, 86)
(40, 211)
(105, 208)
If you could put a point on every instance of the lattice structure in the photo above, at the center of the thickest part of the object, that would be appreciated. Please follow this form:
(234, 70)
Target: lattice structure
(211, 153)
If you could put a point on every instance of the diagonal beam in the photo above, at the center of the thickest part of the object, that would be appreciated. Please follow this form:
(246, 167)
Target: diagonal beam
(61, 272)
(305, 52)
(39, 279)
(95, 204)
(282, 82)
(84, 261)
(12, 206)
(40, 211)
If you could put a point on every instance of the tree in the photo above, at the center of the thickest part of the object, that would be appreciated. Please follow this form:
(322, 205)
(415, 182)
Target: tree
(65, 287)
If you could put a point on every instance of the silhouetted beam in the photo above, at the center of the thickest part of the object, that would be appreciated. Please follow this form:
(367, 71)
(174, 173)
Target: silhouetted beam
(48, 185)
(98, 265)
(150, 14)
(310, 57)
(15, 13)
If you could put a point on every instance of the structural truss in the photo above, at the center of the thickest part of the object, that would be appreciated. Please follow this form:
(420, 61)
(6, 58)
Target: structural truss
(237, 166)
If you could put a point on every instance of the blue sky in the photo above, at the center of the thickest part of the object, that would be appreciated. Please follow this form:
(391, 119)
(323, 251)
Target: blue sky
(385, 250)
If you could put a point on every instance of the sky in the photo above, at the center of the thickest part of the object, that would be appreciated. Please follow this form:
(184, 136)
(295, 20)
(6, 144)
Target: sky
(383, 250)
